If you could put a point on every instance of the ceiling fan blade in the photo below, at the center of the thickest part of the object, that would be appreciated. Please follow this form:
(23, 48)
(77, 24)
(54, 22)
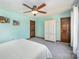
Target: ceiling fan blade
(41, 6)
(42, 12)
(27, 5)
(27, 11)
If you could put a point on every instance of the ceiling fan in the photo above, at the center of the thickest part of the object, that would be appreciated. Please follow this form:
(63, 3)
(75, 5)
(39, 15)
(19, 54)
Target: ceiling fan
(35, 9)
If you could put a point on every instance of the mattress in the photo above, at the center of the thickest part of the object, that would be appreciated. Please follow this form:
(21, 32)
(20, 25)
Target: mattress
(24, 49)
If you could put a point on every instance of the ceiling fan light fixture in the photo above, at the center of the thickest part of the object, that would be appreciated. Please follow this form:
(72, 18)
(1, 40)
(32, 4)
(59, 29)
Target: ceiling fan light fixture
(35, 9)
(34, 12)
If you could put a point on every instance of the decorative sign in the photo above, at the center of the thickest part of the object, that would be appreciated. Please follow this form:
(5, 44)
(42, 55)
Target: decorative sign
(4, 19)
(15, 22)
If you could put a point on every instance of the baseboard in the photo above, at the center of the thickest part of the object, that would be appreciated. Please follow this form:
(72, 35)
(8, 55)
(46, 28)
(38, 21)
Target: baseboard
(58, 41)
(36, 37)
(40, 37)
(30, 37)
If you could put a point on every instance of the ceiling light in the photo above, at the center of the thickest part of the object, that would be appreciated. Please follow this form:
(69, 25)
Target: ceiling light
(34, 12)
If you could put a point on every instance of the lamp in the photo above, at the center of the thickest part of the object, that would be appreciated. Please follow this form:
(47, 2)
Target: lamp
(34, 12)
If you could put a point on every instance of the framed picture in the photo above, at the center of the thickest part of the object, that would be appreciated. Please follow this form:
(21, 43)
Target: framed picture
(4, 19)
(15, 23)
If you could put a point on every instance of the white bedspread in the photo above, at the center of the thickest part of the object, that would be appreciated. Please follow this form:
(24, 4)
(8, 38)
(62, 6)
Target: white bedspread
(24, 49)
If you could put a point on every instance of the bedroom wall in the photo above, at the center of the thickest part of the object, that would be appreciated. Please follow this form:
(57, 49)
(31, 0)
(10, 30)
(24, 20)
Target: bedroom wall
(10, 32)
(40, 26)
(40, 23)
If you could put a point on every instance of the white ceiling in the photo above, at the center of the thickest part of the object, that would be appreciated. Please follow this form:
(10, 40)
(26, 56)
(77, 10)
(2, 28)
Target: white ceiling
(53, 6)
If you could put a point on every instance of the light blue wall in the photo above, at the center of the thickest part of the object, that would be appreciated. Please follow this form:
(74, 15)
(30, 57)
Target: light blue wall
(40, 24)
(9, 32)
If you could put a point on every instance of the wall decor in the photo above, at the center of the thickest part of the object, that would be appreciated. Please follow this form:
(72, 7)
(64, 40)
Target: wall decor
(15, 23)
(4, 19)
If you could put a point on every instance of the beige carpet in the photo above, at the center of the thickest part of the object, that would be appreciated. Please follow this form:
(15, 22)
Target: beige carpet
(59, 50)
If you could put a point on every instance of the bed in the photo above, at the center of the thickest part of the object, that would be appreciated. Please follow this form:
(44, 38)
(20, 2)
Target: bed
(24, 49)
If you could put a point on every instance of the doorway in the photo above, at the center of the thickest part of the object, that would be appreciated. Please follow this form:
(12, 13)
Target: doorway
(65, 29)
(32, 28)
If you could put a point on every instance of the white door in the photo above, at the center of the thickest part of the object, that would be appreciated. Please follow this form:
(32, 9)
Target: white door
(46, 27)
(46, 30)
(50, 27)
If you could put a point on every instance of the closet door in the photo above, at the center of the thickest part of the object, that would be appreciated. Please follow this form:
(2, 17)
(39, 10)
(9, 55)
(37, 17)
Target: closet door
(50, 30)
(46, 30)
